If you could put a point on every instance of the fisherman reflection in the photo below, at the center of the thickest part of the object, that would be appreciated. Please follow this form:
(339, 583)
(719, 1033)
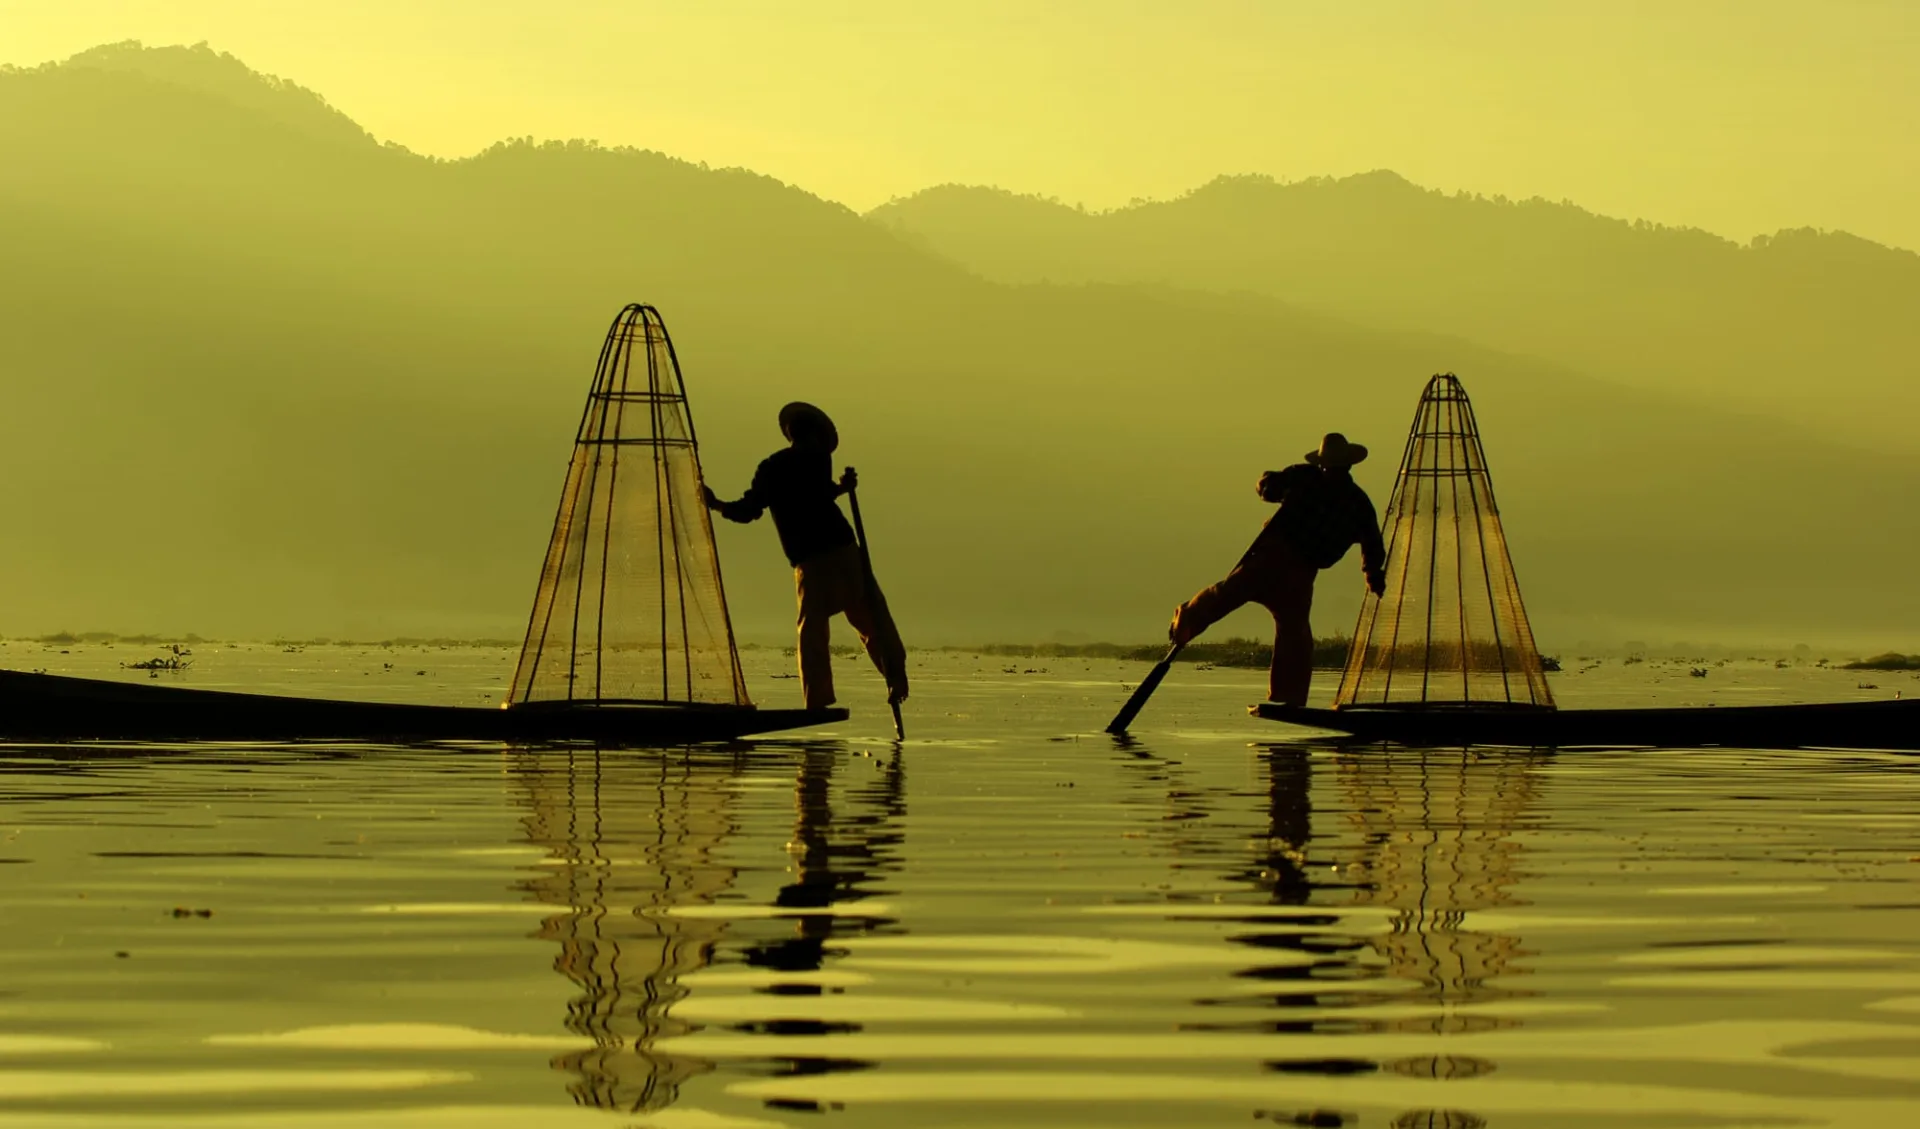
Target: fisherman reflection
(632, 838)
(835, 863)
(1282, 863)
(1425, 834)
(1304, 945)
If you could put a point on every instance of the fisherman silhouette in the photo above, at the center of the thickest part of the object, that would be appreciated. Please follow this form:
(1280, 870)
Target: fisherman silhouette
(1323, 513)
(797, 485)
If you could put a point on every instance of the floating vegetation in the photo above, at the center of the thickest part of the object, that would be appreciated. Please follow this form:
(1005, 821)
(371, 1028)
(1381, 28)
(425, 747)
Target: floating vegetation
(179, 658)
(168, 662)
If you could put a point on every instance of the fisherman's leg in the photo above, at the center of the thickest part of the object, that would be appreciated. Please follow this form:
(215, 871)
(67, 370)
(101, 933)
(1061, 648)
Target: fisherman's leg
(870, 617)
(1209, 606)
(1291, 601)
(814, 589)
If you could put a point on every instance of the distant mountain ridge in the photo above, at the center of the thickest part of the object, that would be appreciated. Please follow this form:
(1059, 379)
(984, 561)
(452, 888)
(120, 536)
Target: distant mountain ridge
(1816, 327)
(265, 376)
(219, 75)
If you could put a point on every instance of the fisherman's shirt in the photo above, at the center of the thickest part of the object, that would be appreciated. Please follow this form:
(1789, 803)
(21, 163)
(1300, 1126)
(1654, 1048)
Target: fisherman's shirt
(1323, 514)
(797, 487)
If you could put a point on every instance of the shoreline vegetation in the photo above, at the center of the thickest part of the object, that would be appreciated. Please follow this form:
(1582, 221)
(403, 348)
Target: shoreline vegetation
(1892, 660)
(1329, 653)
(109, 638)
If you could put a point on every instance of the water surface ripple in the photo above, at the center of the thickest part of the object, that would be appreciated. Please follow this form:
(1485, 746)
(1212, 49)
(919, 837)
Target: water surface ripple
(1009, 920)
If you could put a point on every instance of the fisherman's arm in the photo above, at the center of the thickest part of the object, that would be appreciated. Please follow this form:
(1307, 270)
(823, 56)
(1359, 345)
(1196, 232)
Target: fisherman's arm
(748, 508)
(1274, 484)
(1373, 551)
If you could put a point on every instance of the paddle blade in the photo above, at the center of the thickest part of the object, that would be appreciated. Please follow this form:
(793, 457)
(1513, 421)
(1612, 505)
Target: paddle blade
(1144, 691)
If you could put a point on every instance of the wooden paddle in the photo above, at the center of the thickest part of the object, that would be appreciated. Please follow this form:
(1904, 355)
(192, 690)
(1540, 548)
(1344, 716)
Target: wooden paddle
(1144, 691)
(874, 602)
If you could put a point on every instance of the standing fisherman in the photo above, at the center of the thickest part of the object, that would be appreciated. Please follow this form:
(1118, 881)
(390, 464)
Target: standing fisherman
(1323, 512)
(797, 485)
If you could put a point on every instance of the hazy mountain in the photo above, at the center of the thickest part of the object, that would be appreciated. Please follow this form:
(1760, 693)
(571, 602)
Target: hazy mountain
(199, 68)
(269, 376)
(1817, 327)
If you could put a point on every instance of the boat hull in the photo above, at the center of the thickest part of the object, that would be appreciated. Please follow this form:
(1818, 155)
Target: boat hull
(47, 707)
(1830, 725)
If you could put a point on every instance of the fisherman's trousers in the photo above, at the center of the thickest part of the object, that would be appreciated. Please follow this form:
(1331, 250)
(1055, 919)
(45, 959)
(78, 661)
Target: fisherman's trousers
(831, 584)
(1277, 578)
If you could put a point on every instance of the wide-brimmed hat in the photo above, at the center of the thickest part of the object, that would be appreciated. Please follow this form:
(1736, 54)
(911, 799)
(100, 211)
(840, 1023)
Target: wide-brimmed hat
(805, 417)
(1335, 451)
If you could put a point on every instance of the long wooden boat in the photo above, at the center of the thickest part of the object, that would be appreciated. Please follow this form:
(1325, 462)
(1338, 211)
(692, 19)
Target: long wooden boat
(1827, 725)
(49, 707)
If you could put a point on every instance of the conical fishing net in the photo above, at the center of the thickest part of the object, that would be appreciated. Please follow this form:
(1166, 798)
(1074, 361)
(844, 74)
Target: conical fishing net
(630, 607)
(1451, 628)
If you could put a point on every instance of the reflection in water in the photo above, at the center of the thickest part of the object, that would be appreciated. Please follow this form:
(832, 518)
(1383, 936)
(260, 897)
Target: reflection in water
(628, 836)
(1438, 829)
(1282, 872)
(1427, 835)
(631, 837)
(834, 863)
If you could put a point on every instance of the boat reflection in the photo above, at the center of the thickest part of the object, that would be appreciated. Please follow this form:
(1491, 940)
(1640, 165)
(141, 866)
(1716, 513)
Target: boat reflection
(633, 837)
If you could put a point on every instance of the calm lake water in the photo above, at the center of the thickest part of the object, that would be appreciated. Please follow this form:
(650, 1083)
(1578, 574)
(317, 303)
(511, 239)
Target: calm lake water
(1012, 920)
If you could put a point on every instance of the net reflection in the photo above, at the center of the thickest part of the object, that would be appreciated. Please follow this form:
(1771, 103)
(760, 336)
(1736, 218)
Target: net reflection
(1437, 838)
(631, 837)
(628, 836)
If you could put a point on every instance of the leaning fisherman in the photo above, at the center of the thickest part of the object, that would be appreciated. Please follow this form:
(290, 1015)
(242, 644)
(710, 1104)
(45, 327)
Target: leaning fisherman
(1323, 512)
(797, 485)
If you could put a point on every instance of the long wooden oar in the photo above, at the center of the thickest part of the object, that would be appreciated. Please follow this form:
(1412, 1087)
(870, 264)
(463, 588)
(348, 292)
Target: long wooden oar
(1144, 691)
(876, 606)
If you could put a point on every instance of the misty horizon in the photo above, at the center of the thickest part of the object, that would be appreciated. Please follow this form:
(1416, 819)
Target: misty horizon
(774, 292)
(1199, 179)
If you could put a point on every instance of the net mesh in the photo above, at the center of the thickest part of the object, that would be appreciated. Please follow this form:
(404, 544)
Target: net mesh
(1451, 628)
(630, 607)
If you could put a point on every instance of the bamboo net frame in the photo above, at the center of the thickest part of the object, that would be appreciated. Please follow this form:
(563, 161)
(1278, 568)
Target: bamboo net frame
(1451, 629)
(630, 607)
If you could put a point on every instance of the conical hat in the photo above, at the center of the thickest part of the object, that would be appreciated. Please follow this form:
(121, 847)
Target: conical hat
(806, 417)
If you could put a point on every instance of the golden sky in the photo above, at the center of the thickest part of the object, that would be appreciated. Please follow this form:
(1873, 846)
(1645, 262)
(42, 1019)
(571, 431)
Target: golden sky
(1739, 116)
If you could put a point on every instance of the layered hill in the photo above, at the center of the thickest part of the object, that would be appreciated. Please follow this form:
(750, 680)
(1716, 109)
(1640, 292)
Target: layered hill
(1817, 327)
(266, 375)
